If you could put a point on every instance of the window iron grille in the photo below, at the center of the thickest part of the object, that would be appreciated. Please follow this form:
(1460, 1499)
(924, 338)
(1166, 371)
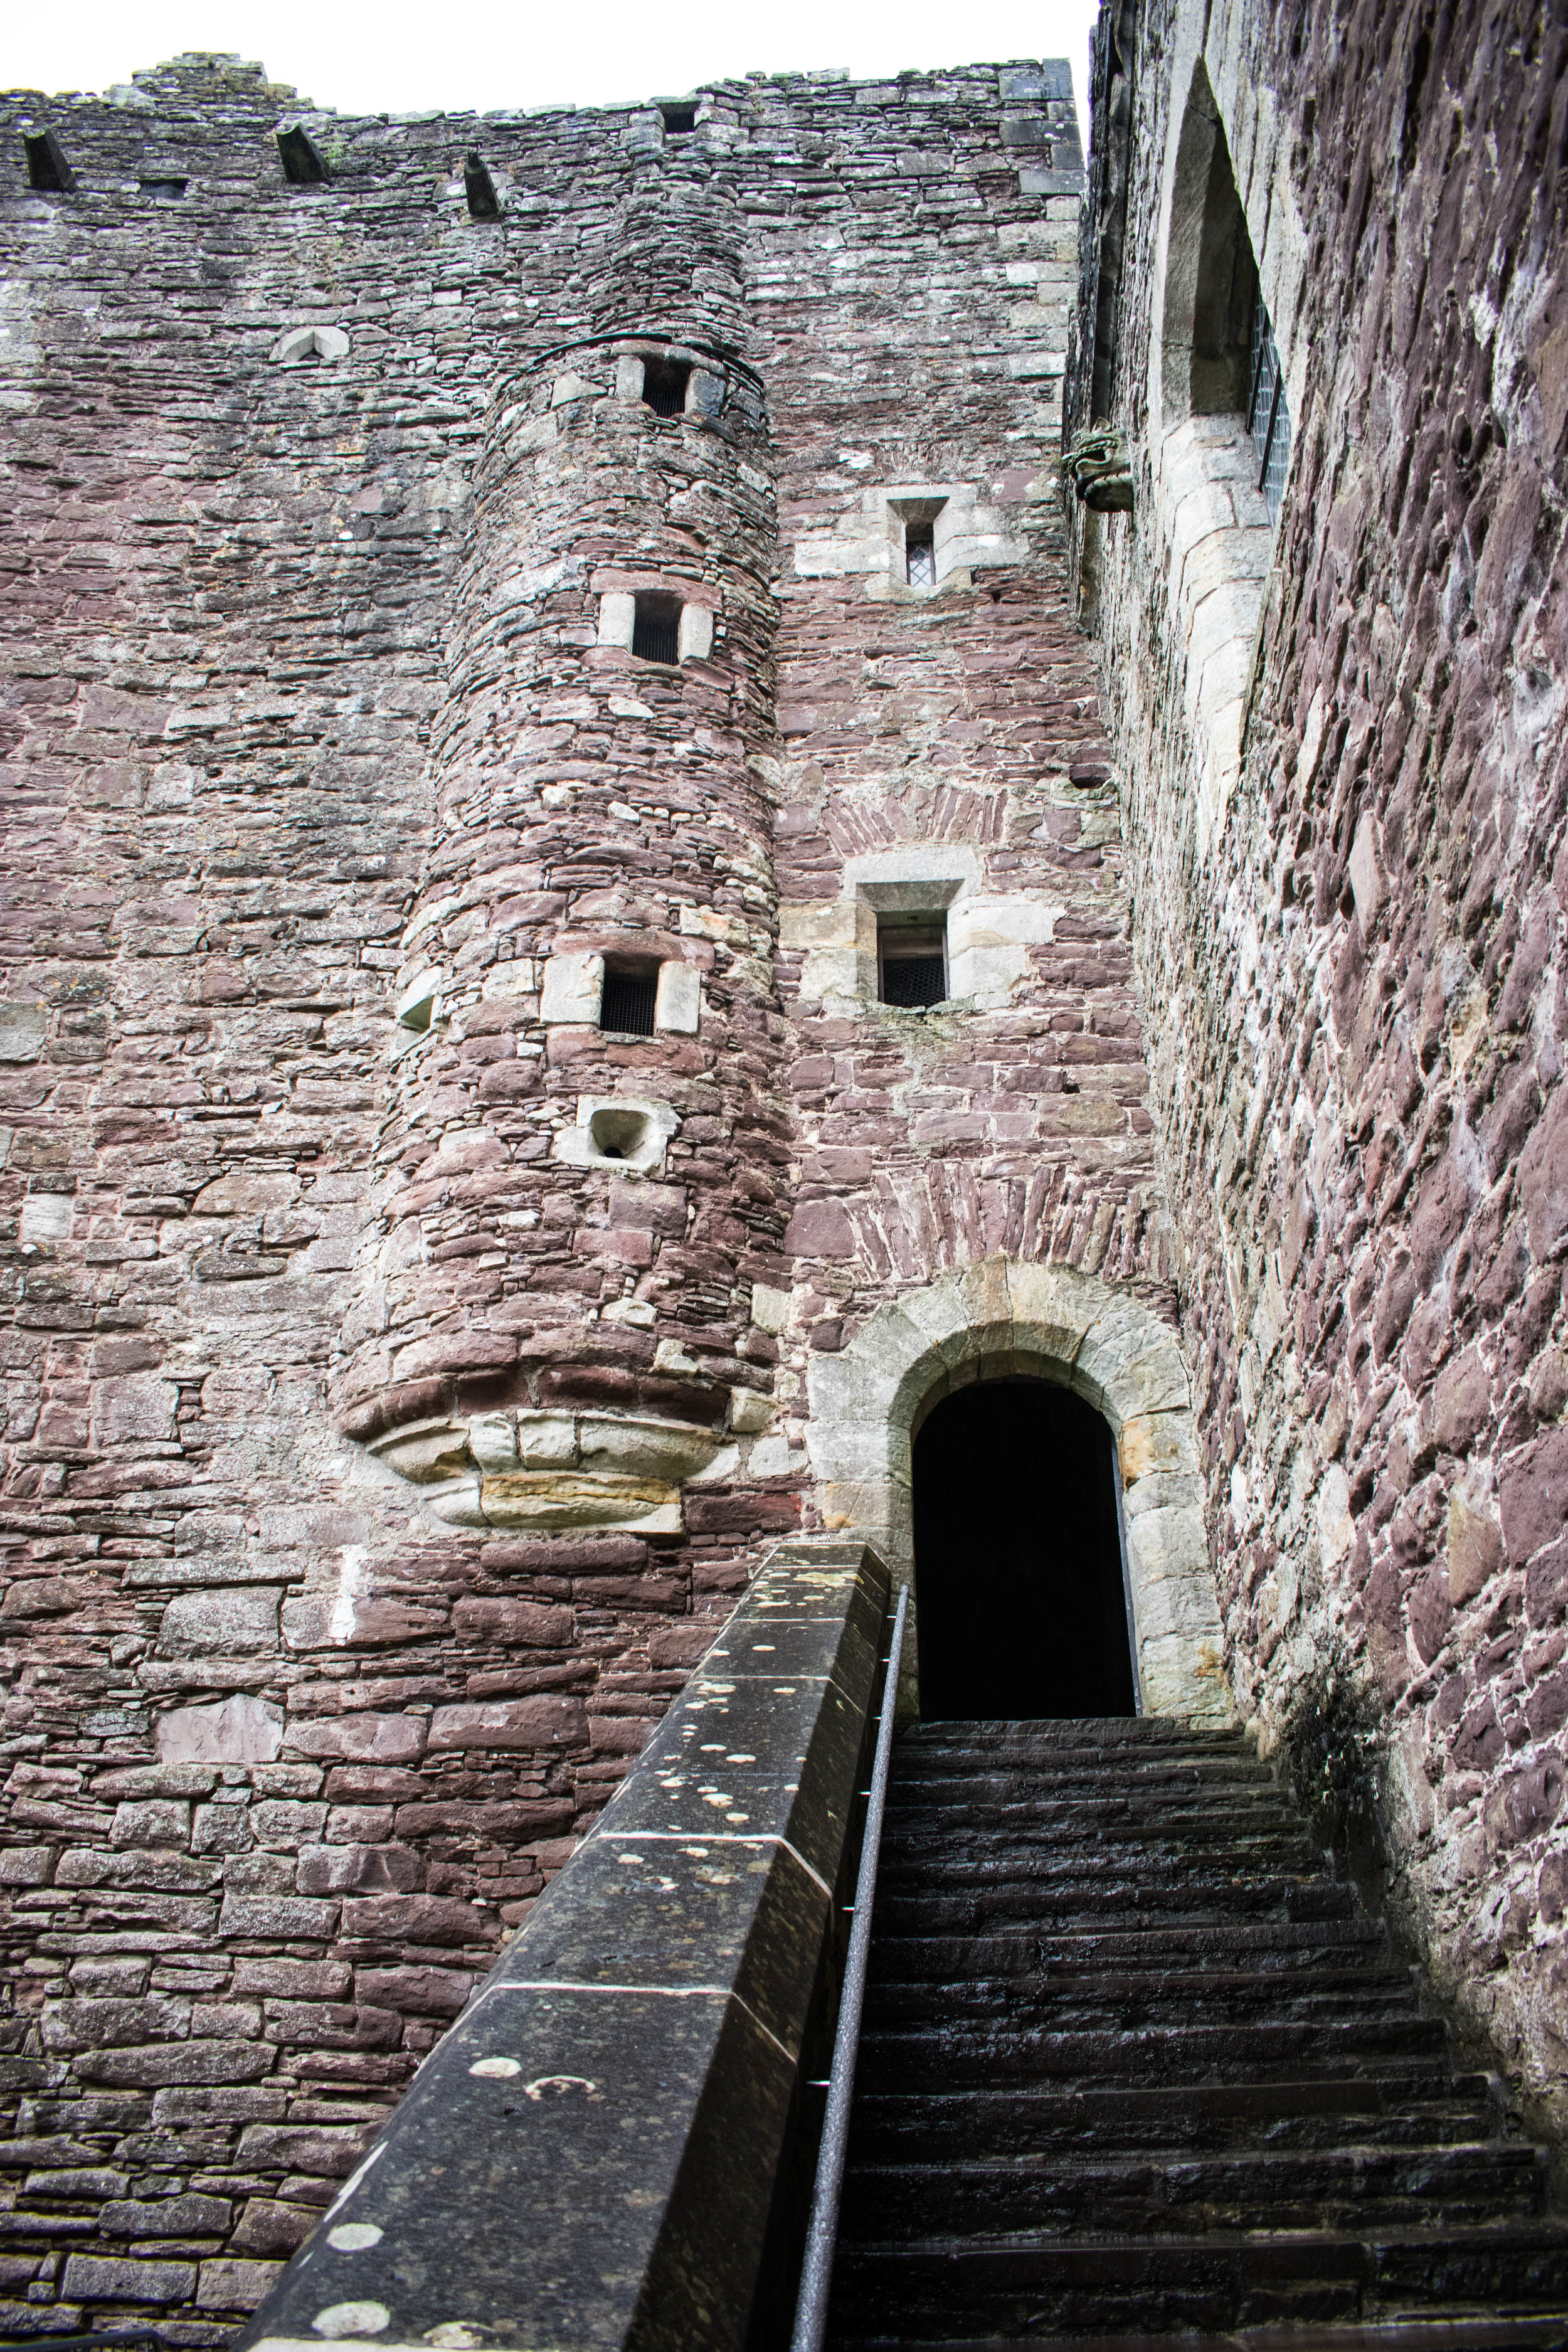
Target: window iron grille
(912, 960)
(1268, 414)
(920, 557)
(664, 383)
(627, 1005)
(655, 630)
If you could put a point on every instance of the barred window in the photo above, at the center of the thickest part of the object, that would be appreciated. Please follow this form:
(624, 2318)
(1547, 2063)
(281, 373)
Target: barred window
(1268, 416)
(911, 961)
(656, 632)
(629, 997)
(664, 386)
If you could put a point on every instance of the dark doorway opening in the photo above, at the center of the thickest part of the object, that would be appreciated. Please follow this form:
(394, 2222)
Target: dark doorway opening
(1023, 1612)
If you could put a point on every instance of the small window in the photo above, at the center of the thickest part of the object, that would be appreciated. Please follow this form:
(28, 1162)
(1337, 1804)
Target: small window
(627, 1005)
(47, 165)
(656, 631)
(1268, 415)
(664, 383)
(919, 556)
(911, 525)
(164, 192)
(680, 121)
(911, 961)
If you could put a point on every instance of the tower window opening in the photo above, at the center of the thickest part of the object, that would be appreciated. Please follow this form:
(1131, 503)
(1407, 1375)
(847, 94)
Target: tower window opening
(919, 556)
(911, 961)
(1268, 415)
(47, 165)
(680, 121)
(164, 192)
(630, 992)
(656, 631)
(664, 386)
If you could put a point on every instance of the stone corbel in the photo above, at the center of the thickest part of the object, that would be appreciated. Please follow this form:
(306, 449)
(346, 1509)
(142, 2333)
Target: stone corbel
(547, 1471)
(1101, 471)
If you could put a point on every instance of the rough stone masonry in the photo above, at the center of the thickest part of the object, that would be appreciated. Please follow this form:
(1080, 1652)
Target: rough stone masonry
(513, 626)
(1336, 674)
(499, 611)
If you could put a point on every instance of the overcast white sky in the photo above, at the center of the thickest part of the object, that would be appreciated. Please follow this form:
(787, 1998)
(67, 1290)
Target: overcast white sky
(400, 58)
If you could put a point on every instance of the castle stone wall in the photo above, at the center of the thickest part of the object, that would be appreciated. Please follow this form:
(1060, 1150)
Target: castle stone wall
(405, 1369)
(1350, 918)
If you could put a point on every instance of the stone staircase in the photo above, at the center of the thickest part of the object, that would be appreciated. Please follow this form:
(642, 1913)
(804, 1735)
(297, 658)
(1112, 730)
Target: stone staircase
(1135, 2064)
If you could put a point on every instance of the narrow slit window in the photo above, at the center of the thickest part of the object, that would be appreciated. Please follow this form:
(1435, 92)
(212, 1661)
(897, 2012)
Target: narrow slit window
(919, 555)
(164, 192)
(664, 383)
(911, 962)
(630, 992)
(1268, 415)
(655, 630)
(680, 121)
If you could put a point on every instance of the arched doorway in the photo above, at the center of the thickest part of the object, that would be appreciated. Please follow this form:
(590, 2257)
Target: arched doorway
(1018, 1578)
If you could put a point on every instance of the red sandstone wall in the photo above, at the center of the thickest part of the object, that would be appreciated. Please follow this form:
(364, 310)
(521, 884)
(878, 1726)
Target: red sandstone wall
(288, 1753)
(1357, 991)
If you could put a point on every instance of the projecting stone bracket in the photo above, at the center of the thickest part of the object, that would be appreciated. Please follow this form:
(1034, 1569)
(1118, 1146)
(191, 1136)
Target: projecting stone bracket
(608, 2147)
(1099, 470)
(548, 1471)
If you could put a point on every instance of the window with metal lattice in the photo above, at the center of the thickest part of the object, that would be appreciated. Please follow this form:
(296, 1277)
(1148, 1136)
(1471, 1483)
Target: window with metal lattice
(911, 961)
(1268, 411)
(630, 995)
(919, 556)
(655, 630)
(664, 383)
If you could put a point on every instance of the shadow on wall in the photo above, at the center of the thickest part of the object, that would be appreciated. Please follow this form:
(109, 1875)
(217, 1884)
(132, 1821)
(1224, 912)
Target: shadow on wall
(1018, 1558)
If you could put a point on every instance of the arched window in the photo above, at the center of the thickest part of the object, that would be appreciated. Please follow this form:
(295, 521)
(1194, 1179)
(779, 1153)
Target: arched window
(1218, 353)
(1222, 460)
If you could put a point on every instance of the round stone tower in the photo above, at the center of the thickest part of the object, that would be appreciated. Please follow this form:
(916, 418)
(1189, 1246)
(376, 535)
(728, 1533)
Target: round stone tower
(576, 1179)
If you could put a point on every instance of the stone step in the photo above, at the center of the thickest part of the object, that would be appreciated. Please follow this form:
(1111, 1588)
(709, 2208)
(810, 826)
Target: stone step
(1176, 1812)
(1082, 1781)
(1025, 2288)
(1542, 2332)
(1059, 2004)
(1354, 2187)
(1415, 2108)
(978, 1815)
(1087, 1902)
(1261, 1944)
(1119, 1731)
(972, 2056)
(1133, 1848)
(1134, 2063)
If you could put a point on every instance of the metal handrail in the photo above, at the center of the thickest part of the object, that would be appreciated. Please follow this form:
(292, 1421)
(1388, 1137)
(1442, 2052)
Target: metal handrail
(817, 2273)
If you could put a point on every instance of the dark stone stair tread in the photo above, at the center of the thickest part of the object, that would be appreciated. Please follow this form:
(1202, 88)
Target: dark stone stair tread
(1545, 2332)
(1146, 2064)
